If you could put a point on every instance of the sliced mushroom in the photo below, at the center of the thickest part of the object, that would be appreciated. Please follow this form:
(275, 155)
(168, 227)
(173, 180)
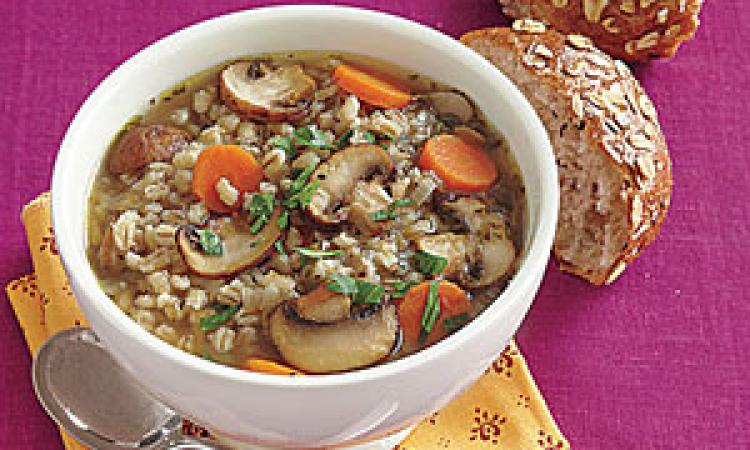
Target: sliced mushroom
(240, 248)
(453, 247)
(451, 103)
(349, 344)
(323, 306)
(143, 145)
(369, 198)
(339, 175)
(489, 248)
(470, 212)
(490, 261)
(270, 95)
(471, 136)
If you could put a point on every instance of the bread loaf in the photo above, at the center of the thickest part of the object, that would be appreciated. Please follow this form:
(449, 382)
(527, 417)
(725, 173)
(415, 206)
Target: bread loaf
(615, 173)
(632, 30)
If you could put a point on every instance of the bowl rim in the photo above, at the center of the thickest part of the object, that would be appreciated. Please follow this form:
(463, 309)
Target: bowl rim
(535, 261)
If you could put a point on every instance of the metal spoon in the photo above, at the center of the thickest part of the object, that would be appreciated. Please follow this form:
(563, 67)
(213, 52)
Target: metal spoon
(98, 403)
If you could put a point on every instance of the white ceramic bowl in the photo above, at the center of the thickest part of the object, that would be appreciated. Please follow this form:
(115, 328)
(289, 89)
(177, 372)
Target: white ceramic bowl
(313, 411)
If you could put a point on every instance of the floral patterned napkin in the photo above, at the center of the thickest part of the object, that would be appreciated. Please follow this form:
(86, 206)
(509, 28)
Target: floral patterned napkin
(502, 410)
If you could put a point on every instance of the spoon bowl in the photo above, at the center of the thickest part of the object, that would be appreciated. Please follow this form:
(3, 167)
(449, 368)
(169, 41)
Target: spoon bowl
(89, 395)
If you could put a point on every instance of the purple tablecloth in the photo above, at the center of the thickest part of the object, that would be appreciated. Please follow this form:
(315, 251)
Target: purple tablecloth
(659, 360)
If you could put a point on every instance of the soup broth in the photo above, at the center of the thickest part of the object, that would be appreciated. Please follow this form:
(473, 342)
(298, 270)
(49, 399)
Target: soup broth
(308, 211)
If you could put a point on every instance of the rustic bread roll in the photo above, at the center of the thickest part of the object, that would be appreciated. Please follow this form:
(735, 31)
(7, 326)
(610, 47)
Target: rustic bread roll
(632, 30)
(615, 173)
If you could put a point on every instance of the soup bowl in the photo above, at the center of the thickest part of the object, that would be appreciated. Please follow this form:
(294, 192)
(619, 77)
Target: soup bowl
(318, 411)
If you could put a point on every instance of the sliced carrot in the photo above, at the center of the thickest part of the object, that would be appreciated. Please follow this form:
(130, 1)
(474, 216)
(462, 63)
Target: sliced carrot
(230, 162)
(461, 165)
(453, 302)
(270, 367)
(371, 88)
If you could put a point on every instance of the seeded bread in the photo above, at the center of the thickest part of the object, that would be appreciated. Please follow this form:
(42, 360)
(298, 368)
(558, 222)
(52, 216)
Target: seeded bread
(632, 30)
(615, 173)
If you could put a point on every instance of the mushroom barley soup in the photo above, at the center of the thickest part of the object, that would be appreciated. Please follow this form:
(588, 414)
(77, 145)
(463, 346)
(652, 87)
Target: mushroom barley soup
(308, 212)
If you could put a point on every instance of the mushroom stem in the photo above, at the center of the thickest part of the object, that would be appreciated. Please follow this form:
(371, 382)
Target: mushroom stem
(339, 175)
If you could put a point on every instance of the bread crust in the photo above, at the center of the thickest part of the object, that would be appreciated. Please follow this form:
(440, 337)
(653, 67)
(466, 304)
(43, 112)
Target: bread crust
(631, 30)
(616, 119)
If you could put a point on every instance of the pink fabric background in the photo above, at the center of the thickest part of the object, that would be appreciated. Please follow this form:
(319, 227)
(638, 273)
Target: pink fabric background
(659, 360)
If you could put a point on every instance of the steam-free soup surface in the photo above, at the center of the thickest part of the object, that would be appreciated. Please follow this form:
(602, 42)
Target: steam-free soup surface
(306, 212)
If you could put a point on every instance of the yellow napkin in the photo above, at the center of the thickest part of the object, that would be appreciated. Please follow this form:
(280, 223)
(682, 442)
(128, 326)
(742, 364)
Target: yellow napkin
(502, 410)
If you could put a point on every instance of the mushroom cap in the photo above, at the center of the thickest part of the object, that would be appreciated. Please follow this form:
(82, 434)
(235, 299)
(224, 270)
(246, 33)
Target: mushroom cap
(344, 345)
(241, 248)
(276, 95)
(492, 261)
(340, 174)
(145, 144)
(451, 103)
(489, 250)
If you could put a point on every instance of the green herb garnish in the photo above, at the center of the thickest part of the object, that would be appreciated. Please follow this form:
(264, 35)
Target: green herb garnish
(430, 264)
(210, 242)
(368, 293)
(283, 220)
(212, 322)
(431, 311)
(279, 244)
(311, 137)
(401, 288)
(390, 212)
(261, 205)
(302, 198)
(344, 139)
(260, 209)
(258, 224)
(363, 291)
(299, 183)
(453, 323)
(342, 284)
(369, 137)
(207, 357)
(284, 143)
(307, 193)
(312, 253)
(402, 202)
(383, 214)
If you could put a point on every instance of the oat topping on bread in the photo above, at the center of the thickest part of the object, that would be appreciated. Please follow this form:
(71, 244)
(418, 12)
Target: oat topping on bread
(632, 30)
(615, 173)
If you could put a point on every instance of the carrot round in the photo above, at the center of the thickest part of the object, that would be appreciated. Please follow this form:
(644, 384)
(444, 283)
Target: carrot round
(461, 165)
(230, 162)
(453, 302)
(370, 88)
(265, 366)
